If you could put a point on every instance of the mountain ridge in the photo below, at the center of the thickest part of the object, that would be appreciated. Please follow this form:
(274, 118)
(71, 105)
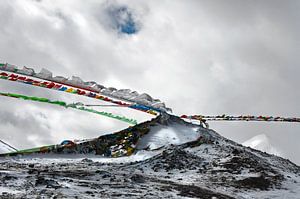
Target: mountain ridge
(209, 167)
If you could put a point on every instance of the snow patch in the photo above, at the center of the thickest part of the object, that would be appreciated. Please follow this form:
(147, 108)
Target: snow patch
(8, 190)
(160, 136)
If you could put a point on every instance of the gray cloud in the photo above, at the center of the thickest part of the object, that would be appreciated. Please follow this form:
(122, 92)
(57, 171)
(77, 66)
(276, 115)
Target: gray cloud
(208, 57)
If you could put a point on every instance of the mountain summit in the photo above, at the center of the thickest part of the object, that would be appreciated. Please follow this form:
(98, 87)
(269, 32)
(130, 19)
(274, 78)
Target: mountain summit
(262, 142)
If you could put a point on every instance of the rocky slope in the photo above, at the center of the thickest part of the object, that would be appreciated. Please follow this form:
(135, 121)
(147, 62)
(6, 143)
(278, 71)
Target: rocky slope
(209, 167)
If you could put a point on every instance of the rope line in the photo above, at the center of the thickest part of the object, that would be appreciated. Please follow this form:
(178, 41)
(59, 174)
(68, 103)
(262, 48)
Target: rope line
(104, 105)
(60, 86)
(204, 118)
(8, 145)
(77, 106)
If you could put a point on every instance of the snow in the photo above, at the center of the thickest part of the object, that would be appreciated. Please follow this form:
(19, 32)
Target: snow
(76, 81)
(7, 190)
(26, 71)
(262, 142)
(213, 155)
(48, 159)
(77, 174)
(162, 136)
(45, 74)
(59, 79)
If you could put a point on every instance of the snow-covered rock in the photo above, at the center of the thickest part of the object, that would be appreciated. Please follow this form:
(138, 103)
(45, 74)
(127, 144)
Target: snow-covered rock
(94, 85)
(26, 71)
(10, 67)
(123, 94)
(44, 74)
(76, 81)
(2, 66)
(144, 97)
(206, 166)
(60, 79)
(159, 105)
(108, 91)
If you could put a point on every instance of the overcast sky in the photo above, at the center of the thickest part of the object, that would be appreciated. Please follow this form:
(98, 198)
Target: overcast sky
(200, 57)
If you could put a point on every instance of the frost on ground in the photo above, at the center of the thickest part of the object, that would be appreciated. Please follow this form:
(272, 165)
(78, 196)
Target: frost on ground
(197, 163)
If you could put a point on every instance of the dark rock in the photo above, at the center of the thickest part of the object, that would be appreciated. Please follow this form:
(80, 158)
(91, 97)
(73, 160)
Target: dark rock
(138, 178)
(175, 158)
(9, 177)
(31, 165)
(198, 192)
(87, 160)
(49, 183)
(235, 152)
(260, 182)
(89, 192)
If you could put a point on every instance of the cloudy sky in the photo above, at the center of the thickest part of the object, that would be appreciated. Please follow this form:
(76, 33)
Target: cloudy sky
(200, 57)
